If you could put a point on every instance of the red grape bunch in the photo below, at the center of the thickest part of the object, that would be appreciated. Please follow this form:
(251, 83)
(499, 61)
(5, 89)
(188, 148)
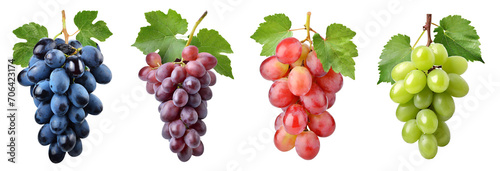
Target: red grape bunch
(183, 89)
(304, 91)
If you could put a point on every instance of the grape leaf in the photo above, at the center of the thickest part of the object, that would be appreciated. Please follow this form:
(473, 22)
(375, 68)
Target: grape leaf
(83, 20)
(397, 50)
(32, 33)
(212, 42)
(459, 38)
(160, 35)
(337, 50)
(275, 28)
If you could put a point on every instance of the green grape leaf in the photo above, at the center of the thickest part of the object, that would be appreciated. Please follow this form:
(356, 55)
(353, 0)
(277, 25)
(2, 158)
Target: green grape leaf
(275, 28)
(337, 50)
(83, 20)
(459, 38)
(160, 35)
(397, 50)
(32, 33)
(212, 42)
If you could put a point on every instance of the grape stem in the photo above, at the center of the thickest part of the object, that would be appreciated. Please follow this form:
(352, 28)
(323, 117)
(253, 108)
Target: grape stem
(428, 28)
(418, 40)
(308, 29)
(64, 30)
(434, 67)
(194, 28)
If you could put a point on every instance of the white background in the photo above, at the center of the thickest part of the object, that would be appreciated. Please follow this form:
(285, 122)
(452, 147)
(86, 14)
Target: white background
(126, 136)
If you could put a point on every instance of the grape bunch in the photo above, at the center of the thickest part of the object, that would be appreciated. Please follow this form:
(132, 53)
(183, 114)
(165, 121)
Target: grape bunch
(424, 89)
(183, 89)
(62, 77)
(304, 91)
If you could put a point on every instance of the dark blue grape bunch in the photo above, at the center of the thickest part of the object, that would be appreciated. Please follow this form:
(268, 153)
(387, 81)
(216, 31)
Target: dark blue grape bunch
(62, 77)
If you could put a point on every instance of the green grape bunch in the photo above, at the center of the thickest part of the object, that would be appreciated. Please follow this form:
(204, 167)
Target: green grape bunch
(424, 88)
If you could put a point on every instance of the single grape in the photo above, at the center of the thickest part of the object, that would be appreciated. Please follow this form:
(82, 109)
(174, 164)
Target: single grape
(314, 65)
(74, 67)
(165, 131)
(180, 97)
(75, 43)
(205, 93)
(272, 69)
(400, 71)
(198, 151)
(322, 125)
(207, 59)
(299, 81)
(88, 81)
(411, 133)
(59, 41)
(194, 100)
(43, 46)
(315, 101)
(200, 127)
(202, 110)
(78, 95)
(458, 86)
(438, 81)
(406, 111)
(82, 130)
(195, 68)
(22, 78)
(427, 121)
(55, 58)
(42, 91)
(303, 56)
(440, 53)
(455, 64)
(185, 154)
(77, 149)
(213, 78)
(177, 129)
(75, 114)
(58, 124)
(144, 72)
(191, 85)
(295, 119)
(192, 138)
(94, 107)
(279, 121)
(39, 71)
(170, 112)
(332, 82)
(43, 113)
(331, 98)
(399, 94)
(162, 95)
(67, 140)
(289, 50)
(444, 106)
(423, 99)
(307, 145)
(189, 115)
(415, 81)
(423, 58)
(102, 74)
(59, 104)
(153, 59)
(91, 56)
(56, 155)
(427, 145)
(279, 94)
(168, 85)
(205, 80)
(150, 88)
(177, 144)
(178, 74)
(45, 136)
(283, 140)
(190, 53)
(442, 134)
